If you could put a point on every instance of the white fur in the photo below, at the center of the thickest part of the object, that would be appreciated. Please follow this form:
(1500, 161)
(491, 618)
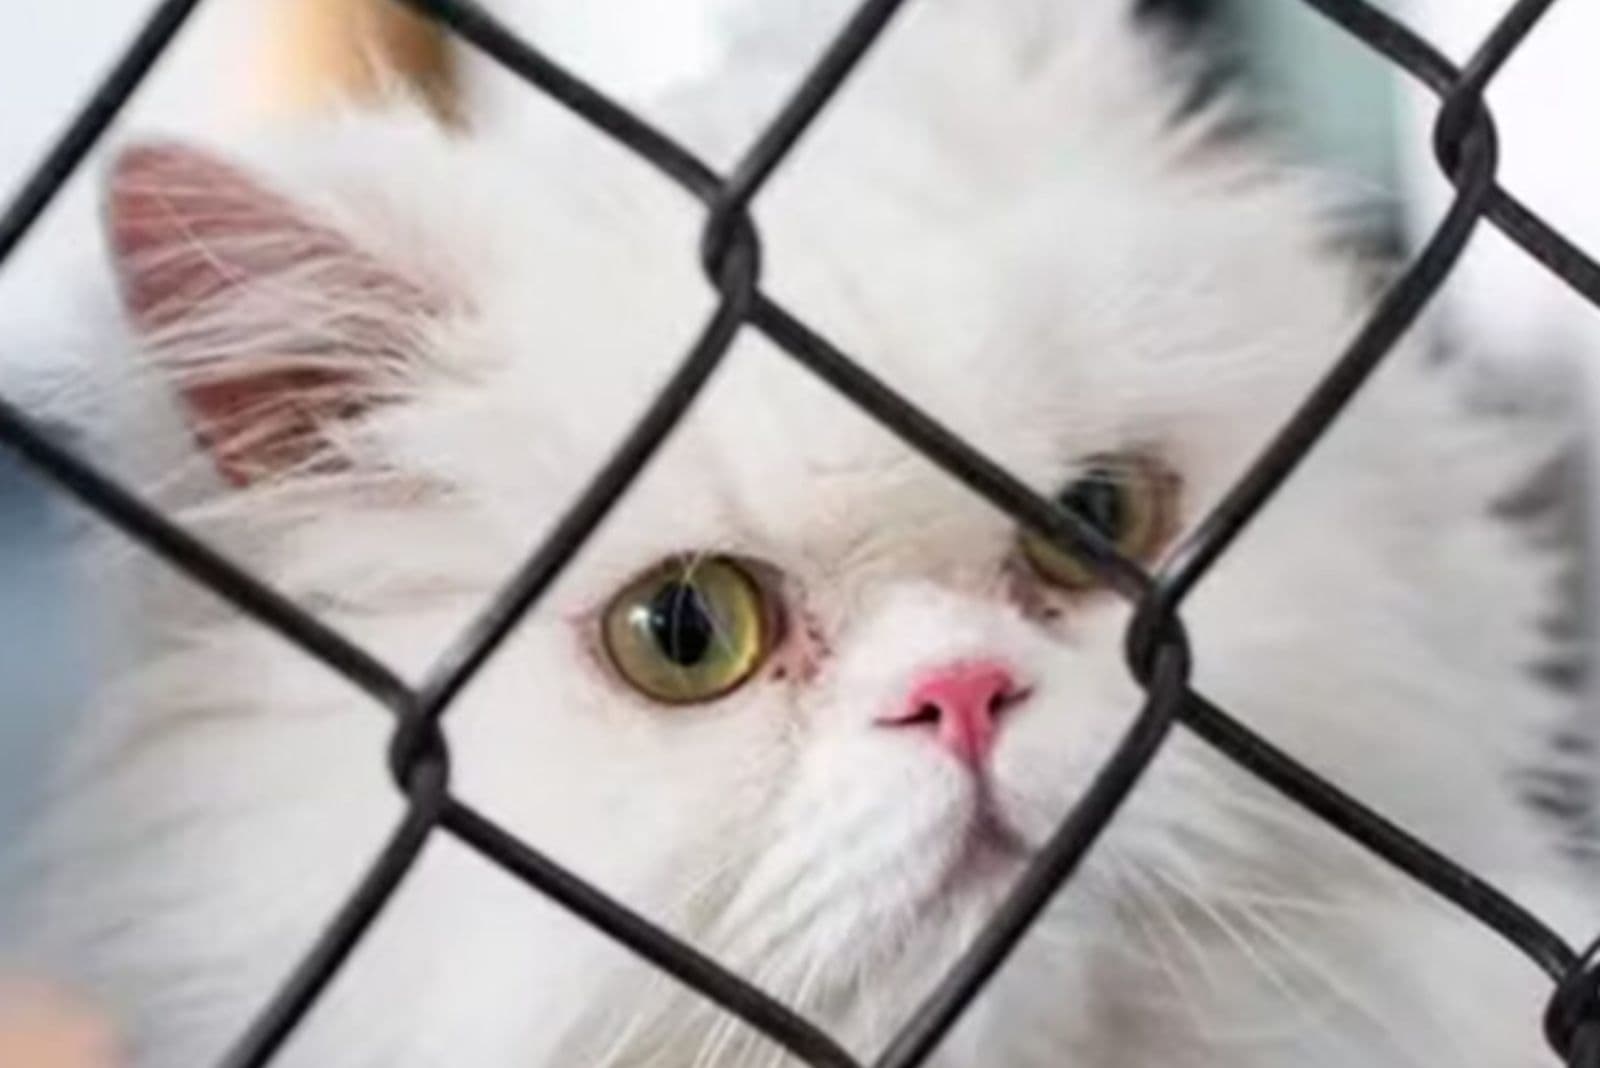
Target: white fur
(1001, 219)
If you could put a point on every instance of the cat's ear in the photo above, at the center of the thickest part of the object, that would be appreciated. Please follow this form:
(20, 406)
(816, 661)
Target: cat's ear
(275, 325)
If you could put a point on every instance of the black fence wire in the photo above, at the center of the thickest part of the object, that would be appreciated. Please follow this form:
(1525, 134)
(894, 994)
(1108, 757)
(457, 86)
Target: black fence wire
(1157, 651)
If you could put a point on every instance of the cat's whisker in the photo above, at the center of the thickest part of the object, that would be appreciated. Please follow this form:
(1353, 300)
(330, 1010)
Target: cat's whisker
(1350, 863)
(1149, 895)
(622, 1044)
(719, 628)
(1308, 1013)
(1352, 910)
(1205, 897)
(800, 1000)
(1409, 1041)
(776, 976)
(1133, 906)
(718, 1035)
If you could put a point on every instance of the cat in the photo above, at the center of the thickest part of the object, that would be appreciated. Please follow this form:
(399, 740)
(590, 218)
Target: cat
(804, 699)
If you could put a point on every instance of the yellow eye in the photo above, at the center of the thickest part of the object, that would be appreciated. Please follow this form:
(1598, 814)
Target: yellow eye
(1126, 498)
(689, 630)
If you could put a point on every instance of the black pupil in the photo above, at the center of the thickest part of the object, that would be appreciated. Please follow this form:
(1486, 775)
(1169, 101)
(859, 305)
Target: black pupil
(1097, 498)
(681, 624)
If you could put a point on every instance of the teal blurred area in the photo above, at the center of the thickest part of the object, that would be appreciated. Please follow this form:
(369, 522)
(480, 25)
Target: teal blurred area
(43, 664)
(1331, 100)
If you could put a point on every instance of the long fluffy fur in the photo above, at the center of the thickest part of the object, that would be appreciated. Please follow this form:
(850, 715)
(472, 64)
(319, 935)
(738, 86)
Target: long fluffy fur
(1007, 218)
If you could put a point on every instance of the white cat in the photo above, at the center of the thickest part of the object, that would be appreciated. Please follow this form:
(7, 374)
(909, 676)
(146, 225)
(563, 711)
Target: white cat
(804, 699)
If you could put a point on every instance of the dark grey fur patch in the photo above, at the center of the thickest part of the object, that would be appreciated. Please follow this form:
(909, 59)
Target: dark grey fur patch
(1551, 506)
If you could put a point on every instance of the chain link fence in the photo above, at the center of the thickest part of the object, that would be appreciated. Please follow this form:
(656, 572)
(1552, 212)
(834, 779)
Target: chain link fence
(1157, 651)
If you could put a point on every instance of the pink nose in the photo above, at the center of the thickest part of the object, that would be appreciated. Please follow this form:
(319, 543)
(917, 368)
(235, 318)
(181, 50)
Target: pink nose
(962, 701)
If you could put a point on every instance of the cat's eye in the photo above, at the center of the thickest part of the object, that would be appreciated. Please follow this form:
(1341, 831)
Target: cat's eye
(691, 629)
(1127, 498)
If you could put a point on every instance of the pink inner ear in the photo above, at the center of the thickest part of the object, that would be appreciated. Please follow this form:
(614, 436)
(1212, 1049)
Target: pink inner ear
(195, 236)
(185, 227)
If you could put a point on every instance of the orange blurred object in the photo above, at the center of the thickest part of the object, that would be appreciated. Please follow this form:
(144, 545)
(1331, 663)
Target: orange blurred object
(315, 54)
(319, 52)
(40, 1028)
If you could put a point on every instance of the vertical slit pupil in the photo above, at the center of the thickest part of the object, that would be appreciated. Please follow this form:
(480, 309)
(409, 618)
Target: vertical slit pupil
(681, 624)
(1097, 498)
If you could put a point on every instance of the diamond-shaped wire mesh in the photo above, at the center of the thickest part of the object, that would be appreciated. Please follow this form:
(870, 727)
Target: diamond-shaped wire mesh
(1157, 649)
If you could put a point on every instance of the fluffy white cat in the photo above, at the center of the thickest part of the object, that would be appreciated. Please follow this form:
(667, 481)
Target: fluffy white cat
(805, 699)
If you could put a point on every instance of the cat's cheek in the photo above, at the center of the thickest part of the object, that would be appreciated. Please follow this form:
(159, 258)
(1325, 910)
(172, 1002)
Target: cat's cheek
(1028, 803)
(1048, 754)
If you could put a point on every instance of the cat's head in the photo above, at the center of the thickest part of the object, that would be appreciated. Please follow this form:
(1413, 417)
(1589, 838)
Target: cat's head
(804, 695)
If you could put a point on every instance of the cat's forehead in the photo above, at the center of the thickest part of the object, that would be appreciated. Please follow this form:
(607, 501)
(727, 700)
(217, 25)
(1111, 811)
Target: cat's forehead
(1035, 345)
(1083, 318)
(770, 461)
(1095, 305)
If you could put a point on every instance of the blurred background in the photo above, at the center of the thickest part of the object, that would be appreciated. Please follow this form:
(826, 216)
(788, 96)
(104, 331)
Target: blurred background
(1331, 103)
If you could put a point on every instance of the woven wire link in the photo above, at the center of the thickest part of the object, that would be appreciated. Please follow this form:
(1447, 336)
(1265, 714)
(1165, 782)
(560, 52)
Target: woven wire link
(1157, 648)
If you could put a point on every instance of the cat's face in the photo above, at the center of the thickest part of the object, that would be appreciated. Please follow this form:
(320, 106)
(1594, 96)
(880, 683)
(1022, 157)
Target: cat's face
(804, 695)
